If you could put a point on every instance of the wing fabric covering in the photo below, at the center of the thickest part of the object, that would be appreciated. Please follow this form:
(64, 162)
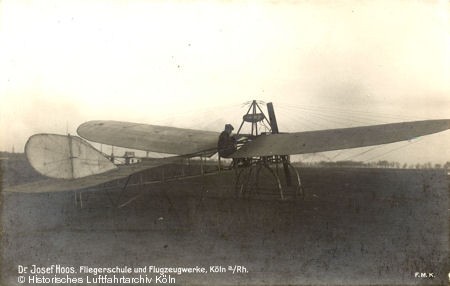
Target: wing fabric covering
(336, 139)
(146, 137)
(65, 157)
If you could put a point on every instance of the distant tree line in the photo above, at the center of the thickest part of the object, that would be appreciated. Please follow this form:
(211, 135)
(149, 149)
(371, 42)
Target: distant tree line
(378, 164)
(346, 163)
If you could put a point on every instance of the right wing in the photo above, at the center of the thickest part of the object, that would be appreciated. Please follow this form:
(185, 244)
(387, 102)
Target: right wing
(155, 138)
(336, 139)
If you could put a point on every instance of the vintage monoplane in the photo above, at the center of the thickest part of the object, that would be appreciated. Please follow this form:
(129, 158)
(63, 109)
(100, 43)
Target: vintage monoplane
(74, 164)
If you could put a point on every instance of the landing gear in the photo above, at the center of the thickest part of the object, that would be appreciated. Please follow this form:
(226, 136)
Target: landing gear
(247, 178)
(248, 170)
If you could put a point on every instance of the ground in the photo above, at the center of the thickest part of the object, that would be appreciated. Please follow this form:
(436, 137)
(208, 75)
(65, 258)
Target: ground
(354, 226)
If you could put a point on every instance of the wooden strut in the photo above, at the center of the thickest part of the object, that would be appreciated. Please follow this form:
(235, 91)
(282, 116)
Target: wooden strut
(280, 188)
(299, 189)
(247, 182)
(257, 177)
(287, 174)
(240, 127)
(237, 176)
(78, 199)
(122, 191)
(141, 183)
(240, 187)
(71, 156)
(202, 171)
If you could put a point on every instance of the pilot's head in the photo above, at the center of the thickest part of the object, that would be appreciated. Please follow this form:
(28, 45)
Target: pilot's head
(229, 128)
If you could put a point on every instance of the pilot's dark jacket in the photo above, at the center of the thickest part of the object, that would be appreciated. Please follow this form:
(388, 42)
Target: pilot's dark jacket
(226, 145)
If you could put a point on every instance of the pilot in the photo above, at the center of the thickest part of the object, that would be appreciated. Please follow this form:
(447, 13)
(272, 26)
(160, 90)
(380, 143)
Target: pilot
(227, 143)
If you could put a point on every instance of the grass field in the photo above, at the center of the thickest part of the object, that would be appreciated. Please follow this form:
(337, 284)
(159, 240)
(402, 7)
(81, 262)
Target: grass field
(355, 226)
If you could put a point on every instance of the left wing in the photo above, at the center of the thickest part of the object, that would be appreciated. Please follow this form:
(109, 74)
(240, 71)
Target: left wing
(336, 139)
(75, 164)
(155, 138)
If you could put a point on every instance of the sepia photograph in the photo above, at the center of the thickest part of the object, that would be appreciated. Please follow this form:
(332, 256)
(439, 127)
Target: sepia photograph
(224, 142)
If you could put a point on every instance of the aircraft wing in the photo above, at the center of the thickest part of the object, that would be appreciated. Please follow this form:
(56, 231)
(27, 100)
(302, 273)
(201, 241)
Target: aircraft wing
(61, 185)
(336, 139)
(147, 137)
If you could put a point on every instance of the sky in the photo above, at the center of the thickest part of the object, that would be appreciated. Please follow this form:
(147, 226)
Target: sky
(194, 64)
